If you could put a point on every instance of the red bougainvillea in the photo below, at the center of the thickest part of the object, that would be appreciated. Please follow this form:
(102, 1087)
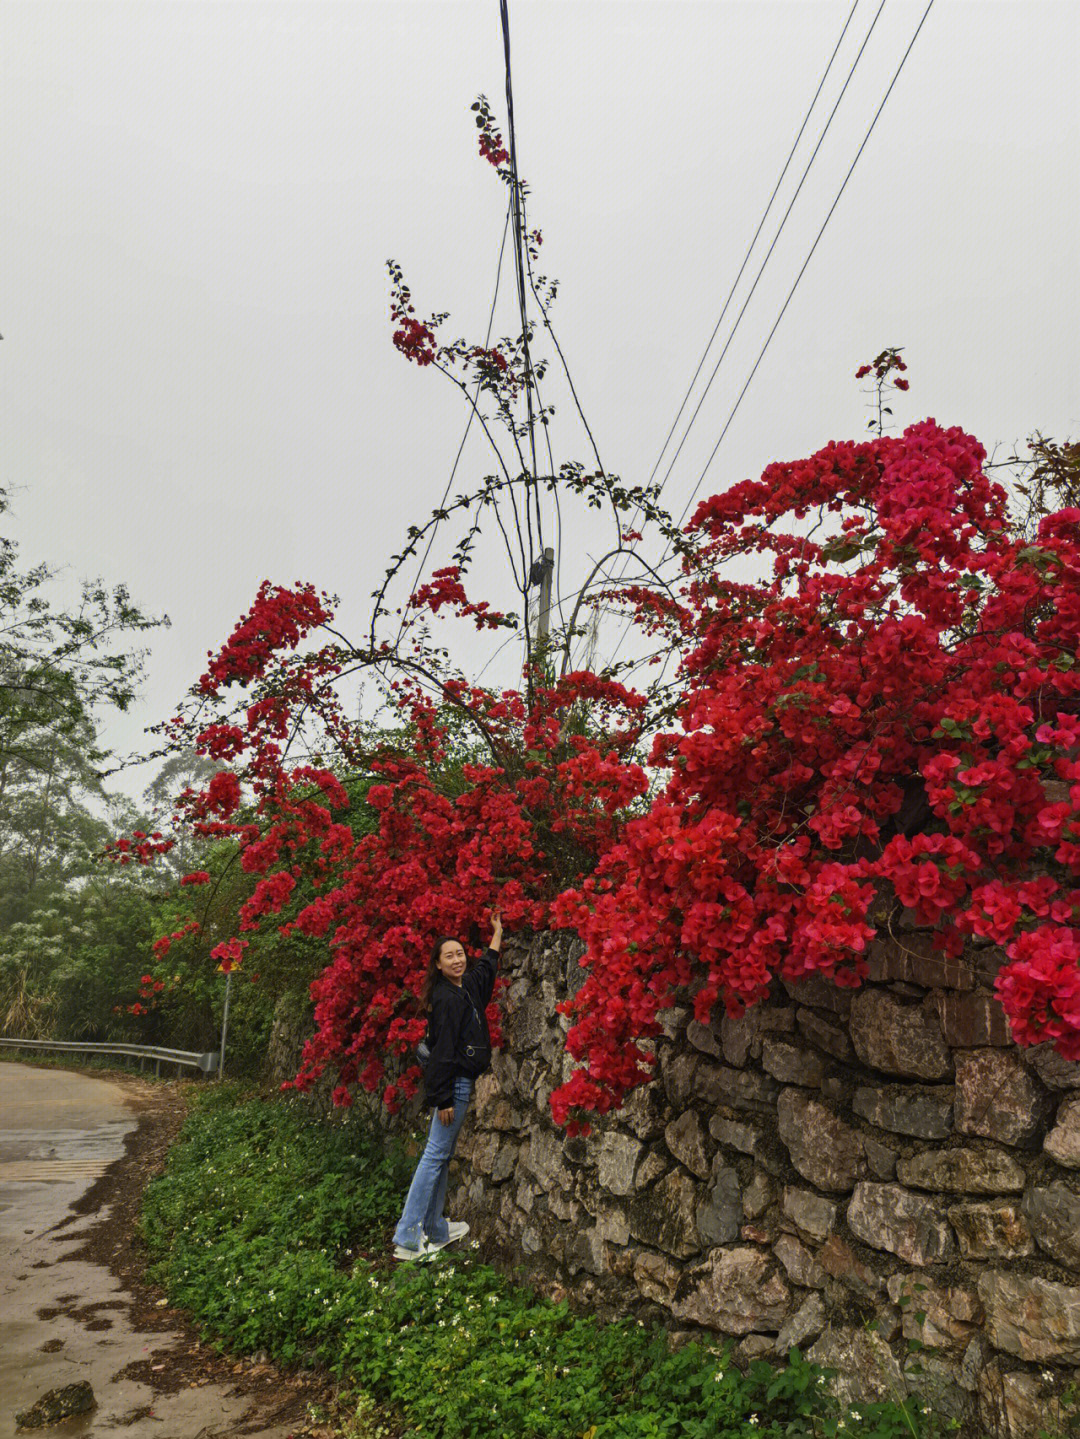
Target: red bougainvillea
(887, 717)
(877, 709)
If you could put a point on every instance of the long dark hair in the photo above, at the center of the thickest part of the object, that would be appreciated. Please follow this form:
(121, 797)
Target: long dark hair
(433, 970)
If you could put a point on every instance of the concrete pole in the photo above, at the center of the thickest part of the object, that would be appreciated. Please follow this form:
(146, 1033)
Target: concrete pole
(543, 618)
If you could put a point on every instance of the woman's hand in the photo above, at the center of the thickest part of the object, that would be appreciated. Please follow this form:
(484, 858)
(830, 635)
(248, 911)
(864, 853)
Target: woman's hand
(497, 930)
(446, 1116)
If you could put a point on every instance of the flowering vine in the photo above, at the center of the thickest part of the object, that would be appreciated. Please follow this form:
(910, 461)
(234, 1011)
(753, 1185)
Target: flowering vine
(876, 708)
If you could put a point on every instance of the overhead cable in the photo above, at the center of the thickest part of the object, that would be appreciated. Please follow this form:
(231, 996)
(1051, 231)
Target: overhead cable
(795, 285)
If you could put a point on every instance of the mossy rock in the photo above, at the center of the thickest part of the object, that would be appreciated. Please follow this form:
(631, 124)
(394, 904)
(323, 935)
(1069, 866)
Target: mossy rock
(58, 1404)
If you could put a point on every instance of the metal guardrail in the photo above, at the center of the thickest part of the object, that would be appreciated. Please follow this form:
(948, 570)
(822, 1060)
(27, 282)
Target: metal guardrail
(209, 1063)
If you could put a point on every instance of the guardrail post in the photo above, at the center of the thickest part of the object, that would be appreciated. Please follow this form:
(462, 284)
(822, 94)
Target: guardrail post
(224, 1025)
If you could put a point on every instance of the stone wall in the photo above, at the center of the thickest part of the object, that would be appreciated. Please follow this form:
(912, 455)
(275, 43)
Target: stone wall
(845, 1171)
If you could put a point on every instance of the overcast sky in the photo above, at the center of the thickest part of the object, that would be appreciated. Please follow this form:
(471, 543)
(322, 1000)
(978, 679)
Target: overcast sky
(199, 387)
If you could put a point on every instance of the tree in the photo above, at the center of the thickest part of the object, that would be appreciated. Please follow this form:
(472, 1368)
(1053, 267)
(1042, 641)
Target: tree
(59, 668)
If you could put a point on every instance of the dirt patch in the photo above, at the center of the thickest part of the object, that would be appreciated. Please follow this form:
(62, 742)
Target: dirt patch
(113, 1240)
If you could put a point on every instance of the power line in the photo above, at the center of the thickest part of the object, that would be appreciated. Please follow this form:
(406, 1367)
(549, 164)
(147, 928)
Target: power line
(795, 285)
(809, 257)
(753, 242)
(775, 239)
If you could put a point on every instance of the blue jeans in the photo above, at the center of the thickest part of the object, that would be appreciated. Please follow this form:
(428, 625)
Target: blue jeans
(423, 1212)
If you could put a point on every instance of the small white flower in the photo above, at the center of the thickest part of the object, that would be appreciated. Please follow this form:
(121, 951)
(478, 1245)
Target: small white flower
(1047, 1376)
(753, 1419)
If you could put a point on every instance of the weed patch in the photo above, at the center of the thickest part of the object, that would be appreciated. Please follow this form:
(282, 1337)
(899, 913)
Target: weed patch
(271, 1227)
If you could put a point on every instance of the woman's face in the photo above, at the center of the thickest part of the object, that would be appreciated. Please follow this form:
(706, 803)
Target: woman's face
(452, 960)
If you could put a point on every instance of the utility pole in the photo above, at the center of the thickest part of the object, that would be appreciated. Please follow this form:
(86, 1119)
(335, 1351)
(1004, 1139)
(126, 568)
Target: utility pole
(543, 615)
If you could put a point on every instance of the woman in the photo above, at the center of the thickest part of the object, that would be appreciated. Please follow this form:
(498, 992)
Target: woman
(460, 1046)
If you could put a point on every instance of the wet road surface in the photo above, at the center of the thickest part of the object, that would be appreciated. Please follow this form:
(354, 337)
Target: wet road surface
(59, 1131)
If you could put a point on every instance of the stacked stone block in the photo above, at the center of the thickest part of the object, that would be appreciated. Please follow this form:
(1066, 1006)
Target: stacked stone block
(873, 1175)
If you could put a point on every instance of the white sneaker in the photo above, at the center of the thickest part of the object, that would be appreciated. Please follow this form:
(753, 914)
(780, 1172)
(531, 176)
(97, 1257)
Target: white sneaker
(458, 1230)
(401, 1251)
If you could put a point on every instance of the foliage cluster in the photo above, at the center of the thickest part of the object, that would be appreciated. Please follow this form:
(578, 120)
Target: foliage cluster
(265, 1225)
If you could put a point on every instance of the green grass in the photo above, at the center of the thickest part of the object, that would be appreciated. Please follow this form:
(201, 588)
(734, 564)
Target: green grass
(272, 1230)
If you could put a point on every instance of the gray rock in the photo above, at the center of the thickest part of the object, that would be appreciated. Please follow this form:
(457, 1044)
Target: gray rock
(998, 1098)
(866, 1368)
(824, 1149)
(619, 1155)
(810, 1212)
(840, 1262)
(531, 1016)
(656, 1277)
(1031, 1318)
(649, 1170)
(950, 1313)
(799, 1263)
(967, 1171)
(505, 1163)
(719, 1218)
(758, 1195)
(586, 1251)
(735, 1293)
(483, 1152)
(58, 1404)
(703, 1038)
(898, 1038)
(971, 1020)
(1053, 1215)
(991, 1230)
(904, 1109)
(642, 1111)
(1055, 1072)
(611, 1225)
(823, 1032)
(543, 1157)
(531, 1242)
(664, 1216)
(915, 960)
(754, 1346)
(806, 1323)
(673, 1020)
(741, 1136)
(791, 1063)
(738, 1037)
(715, 1084)
(971, 1366)
(819, 993)
(1019, 1405)
(685, 1140)
(679, 1074)
(885, 1216)
(880, 1158)
(1063, 1141)
(525, 1197)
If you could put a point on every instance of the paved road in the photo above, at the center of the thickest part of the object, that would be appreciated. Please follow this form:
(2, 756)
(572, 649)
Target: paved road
(58, 1133)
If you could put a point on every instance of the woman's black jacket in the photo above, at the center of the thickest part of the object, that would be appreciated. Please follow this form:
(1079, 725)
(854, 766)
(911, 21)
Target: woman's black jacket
(458, 1031)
